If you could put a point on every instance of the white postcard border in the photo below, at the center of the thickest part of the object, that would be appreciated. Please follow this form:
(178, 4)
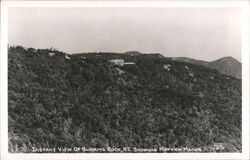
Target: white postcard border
(244, 5)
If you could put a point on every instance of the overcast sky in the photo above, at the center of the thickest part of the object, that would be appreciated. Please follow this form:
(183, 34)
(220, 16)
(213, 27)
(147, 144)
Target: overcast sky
(200, 33)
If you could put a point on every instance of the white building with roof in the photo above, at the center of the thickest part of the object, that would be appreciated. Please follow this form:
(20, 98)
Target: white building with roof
(118, 62)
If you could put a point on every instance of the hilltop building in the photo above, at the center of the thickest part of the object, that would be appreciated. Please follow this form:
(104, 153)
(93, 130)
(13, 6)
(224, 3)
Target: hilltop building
(51, 54)
(67, 57)
(129, 63)
(167, 66)
(120, 62)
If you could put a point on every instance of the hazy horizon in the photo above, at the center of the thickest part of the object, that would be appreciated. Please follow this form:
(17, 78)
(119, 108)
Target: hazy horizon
(200, 33)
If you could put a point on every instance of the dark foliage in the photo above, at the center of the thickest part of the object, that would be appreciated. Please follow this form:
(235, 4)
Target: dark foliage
(87, 101)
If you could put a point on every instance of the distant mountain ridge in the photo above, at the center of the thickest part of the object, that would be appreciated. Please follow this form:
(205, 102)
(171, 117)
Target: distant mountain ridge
(226, 65)
(190, 60)
(133, 53)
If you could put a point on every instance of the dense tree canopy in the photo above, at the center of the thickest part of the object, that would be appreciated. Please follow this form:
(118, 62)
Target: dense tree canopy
(85, 100)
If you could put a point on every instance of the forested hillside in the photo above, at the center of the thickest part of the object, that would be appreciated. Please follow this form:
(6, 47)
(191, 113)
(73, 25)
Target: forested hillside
(84, 100)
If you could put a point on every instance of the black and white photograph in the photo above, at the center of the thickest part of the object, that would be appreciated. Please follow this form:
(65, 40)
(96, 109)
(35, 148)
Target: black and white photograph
(105, 80)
